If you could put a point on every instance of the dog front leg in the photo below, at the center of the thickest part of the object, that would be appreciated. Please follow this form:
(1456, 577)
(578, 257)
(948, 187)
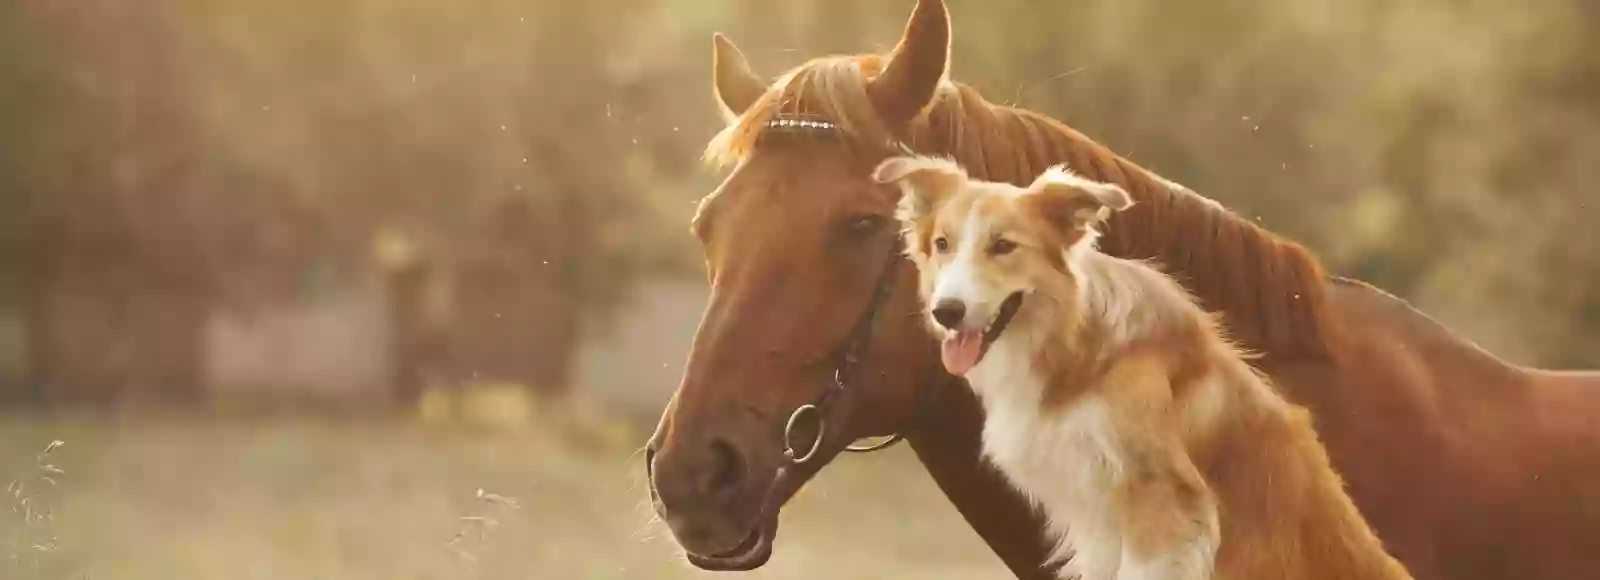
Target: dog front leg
(1169, 522)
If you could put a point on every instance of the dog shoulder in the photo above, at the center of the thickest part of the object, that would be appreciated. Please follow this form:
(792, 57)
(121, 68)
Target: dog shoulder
(1138, 382)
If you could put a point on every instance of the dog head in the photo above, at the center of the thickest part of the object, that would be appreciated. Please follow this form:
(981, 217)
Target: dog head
(984, 248)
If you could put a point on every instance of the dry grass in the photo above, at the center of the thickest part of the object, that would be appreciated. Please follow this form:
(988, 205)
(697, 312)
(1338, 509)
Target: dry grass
(28, 536)
(178, 499)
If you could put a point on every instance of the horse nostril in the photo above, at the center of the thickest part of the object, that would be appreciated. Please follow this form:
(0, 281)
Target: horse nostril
(948, 313)
(727, 468)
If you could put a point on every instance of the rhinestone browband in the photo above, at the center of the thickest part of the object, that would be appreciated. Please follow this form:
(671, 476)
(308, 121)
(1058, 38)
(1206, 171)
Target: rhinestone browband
(792, 123)
(815, 124)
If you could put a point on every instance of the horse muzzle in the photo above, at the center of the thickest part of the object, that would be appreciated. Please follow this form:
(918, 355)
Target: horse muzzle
(723, 518)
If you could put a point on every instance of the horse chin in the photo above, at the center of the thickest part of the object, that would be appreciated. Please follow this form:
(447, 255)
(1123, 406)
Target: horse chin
(750, 554)
(754, 551)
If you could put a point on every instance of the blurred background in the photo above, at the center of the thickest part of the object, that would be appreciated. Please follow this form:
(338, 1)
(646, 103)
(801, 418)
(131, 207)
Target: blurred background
(395, 289)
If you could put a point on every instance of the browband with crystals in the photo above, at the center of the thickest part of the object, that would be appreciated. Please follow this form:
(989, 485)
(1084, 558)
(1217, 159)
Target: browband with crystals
(787, 123)
(815, 123)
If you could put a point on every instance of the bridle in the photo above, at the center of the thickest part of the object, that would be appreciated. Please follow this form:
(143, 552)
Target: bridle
(849, 354)
(854, 345)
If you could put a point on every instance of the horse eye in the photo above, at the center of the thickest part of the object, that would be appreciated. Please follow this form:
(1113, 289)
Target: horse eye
(864, 224)
(1001, 247)
(941, 244)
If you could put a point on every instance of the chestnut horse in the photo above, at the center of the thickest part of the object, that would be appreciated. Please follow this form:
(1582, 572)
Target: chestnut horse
(1468, 467)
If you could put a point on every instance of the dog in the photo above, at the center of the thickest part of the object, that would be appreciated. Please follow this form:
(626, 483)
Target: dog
(1113, 399)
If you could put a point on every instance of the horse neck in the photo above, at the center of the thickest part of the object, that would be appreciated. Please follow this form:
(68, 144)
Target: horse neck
(1269, 290)
(951, 451)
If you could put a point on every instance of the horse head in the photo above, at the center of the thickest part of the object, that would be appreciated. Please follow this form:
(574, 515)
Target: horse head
(812, 335)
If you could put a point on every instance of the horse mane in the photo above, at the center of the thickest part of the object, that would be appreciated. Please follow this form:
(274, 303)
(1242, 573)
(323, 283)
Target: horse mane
(1270, 289)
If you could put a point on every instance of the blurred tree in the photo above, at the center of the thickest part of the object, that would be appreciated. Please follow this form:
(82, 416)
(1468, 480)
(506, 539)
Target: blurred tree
(212, 156)
(19, 73)
(1413, 143)
(104, 251)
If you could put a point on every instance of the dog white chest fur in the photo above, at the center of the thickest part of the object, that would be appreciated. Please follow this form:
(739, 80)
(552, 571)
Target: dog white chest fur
(1067, 458)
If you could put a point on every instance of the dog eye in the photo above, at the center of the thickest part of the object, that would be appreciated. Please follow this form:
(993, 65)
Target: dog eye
(941, 244)
(1001, 247)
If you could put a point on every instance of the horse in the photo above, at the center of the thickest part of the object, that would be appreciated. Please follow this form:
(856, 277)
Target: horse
(1469, 467)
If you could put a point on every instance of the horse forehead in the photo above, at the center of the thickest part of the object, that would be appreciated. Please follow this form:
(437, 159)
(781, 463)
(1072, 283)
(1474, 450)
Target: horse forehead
(809, 180)
(774, 214)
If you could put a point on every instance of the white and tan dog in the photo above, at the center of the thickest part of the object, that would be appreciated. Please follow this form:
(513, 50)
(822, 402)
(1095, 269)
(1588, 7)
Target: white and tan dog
(1113, 400)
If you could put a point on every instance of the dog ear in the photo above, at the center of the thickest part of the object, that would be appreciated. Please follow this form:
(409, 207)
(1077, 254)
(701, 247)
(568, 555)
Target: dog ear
(1074, 204)
(925, 183)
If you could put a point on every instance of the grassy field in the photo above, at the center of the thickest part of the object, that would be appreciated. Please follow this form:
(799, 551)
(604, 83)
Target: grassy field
(165, 498)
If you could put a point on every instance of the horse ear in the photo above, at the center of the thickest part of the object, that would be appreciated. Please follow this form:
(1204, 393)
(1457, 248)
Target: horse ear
(736, 86)
(1073, 203)
(917, 66)
(925, 182)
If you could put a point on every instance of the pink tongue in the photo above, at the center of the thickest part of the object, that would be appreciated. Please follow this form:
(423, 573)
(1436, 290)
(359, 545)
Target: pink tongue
(960, 351)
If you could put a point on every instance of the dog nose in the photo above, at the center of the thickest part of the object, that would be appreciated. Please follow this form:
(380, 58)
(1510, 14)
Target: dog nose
(948, 313)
